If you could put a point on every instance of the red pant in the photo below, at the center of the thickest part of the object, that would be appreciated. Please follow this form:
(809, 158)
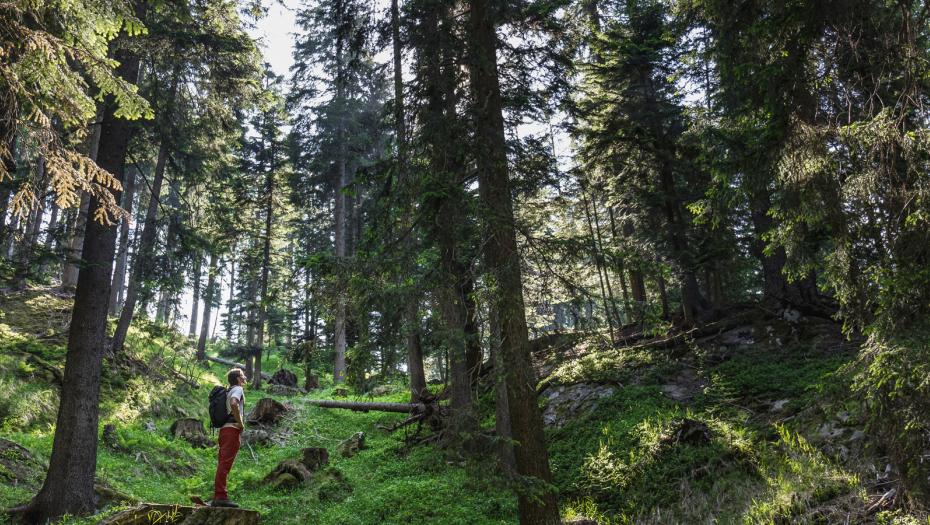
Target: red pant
(229, 447)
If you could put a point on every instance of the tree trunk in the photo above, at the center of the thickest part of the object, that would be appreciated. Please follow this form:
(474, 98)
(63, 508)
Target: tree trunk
(69, 484)
(503, 260)
(266, 266)
(598, 260)
(143, 258)
(198, 262)
(502, 408)
(415, 368)
(51, 229)
(341, 211)
(208, 301)
(69, 274)
(230, 316)
(122, 253)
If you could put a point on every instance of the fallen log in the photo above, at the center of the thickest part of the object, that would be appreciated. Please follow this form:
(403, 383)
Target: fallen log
(399, 408)
(230, 363)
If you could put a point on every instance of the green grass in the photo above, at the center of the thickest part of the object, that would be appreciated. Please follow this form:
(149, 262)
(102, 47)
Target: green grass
(620, 463)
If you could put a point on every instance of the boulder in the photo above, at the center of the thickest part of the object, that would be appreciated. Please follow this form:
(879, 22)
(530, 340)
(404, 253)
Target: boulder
(382, 390)
(565, 402)
(192, 431)
(149, 513)
(266, 412)
(288, 474)
(284, 377)
(351, 446)
(256, 436)
(314, 458)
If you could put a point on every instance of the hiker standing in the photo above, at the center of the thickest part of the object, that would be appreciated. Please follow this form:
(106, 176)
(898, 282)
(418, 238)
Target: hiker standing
(230, 434)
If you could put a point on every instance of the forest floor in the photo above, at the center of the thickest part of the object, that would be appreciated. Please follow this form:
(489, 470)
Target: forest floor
(750, 424)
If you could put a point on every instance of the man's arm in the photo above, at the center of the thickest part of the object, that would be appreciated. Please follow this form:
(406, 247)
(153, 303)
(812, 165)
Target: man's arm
(237, 413)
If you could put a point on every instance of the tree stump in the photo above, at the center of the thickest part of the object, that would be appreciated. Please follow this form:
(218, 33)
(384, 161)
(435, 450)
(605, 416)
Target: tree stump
(333, 485)
(266, 412)
(341, 392)
(192, 431)
(351, 446)
(314, 458)
(288, 474)
(284, 377)
(150, 513)
(312, 382)
(284, 390)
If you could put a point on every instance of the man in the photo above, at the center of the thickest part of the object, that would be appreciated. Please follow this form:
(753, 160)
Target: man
(230, 435)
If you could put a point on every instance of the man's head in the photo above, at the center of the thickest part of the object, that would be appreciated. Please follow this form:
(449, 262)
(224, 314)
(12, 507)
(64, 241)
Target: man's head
(236, 377)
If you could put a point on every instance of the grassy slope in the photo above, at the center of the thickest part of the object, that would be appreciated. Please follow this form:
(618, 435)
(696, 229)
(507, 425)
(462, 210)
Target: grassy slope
(617, 463)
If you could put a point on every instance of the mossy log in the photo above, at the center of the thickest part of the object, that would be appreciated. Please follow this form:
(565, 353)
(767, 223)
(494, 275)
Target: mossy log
(151, 513)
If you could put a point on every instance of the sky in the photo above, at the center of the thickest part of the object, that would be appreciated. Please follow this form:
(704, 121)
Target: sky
(275, 34)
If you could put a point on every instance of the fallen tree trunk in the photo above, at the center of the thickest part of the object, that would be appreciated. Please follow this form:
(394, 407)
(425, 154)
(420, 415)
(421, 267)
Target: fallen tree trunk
(400, 408)
(230, 363)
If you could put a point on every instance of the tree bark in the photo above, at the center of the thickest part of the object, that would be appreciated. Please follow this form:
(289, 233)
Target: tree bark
(266, 266)
(208, 301)
(70, 271)
(341, 211)
(69, 484)
(503, 261)
(69, 274)
(198, 263)
(142, 260)
(230, 317)
(122, 253)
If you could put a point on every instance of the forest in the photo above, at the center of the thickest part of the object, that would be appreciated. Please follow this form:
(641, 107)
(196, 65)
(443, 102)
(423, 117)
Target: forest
(481, 261)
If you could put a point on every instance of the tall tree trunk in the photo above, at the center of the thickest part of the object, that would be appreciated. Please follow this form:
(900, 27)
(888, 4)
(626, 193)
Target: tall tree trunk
(25, 254)
(6, 194)
(473, 354)
(69, 273)
(208, 299)
(230, 315)
(7, 133)
(415, 369)
(142, 260)
(198, 262)
(502, 408)
(52, 229)
(341, 208)
(503, 260)
(69, 484)
(266, 266)
(122, 253)
(598, 260)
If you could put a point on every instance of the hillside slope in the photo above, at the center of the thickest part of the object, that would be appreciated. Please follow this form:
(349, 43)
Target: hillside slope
(749, 421)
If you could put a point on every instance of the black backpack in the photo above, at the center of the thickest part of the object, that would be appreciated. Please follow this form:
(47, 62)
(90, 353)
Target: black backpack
(219, 416)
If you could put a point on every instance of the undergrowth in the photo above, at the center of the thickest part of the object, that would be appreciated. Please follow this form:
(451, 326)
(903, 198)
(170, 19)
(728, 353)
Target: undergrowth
(762, 460)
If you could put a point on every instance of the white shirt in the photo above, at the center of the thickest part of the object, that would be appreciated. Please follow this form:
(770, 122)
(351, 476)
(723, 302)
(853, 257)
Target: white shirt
(238, 393)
